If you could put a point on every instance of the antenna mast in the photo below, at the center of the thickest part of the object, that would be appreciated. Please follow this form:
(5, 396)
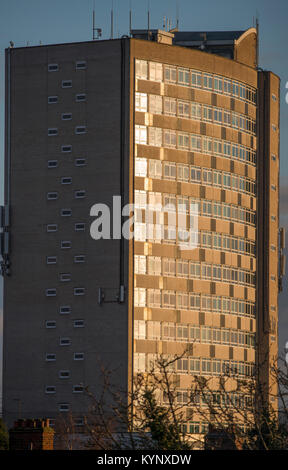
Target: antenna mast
(111, 35)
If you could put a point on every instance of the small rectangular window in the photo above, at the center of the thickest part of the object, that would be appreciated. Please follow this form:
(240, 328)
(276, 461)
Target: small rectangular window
(65, 310)
(63, 407)
(51, 292)
(65, 244)
(52, 131)
(51, 259)
(274, 97)
(66, 116)
(50, 357)
(80, 97)
(66, 212)
(79, 194)
(65, 341)
(78, 323)
(79, 227)
(78, 389)
(52, 196)
(80, 130)
(65, 277)
(66, 83)
(52, 228)
(52, 163)
(79, 259)
(80, 161)
(66, 148)
(53, 67)
(50, 324)
(50, 389)
(81, 65)
(52, 99)
(79, 291)
(78, 356)
(66, 180)
(64, 374)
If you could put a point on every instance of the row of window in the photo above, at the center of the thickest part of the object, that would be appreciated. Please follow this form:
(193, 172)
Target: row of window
(226, 399)
(168, 138)
(200, 365)
(156, 104)
(52, 131)
(63, 375)
(76, 259)
(78, 98)
(78, 194)
(78, 227)
(79, 65)
(192, 301)
(170, 203)
(158, 72)
(156, 330)
(77, 356)
(77, 162)
(194, 270)
(214, 240)
(52, 292)
(76, 323)
(193, 174)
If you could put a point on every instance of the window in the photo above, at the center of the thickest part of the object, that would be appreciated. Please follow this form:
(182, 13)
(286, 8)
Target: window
(154, 297)
(183, 108)
(66, 116)
(79, 194)
(141, 167)
(63, 407)
(80, 161)
(78, 323)
(80, 227)
(274, 97)
(78, 389)
(170, 74)
(141, 102)
(154, 265)
(195, 111)
(141, 69)
(140, 264)
(78, 356)
(51, 292)
(80, 97)
(183, 141)
(139, 329)
(170, 106)
(66, 212)
(65, 341)
(50, 324)
(169, 138)
(196, 79)
(207, 81)
(53, 67)
(141, 135)
(52, 99)
(182, 172)
(65, 309)
(155, 169)
(155, 104)
(65, 244)
(183, 76)
(81, 65)
(50, 389)
(66, 83)
(170, 171)
(50, 357)
(52, 131)
(52, 196)
(66, 180)
(155, 136)
(52, 228)
(52, 163)
(80, 130)
(64, 374)
(66, 148)
(65, 277)
(139, 297)
(51, 259)
(79, 259)
(155, 72)
(79, 291)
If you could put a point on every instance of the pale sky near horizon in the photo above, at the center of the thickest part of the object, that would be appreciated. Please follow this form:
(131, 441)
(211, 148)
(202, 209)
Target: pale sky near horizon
(59, 21)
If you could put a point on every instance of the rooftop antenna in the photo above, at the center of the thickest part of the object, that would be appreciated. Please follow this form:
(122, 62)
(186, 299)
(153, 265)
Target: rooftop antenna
(148, 20)
(96, 32)
(257, 40)
(164, 22)
(130, 20)
(111, 35)
(177, 15)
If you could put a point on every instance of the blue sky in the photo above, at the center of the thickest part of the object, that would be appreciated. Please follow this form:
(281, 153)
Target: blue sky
(60, 21)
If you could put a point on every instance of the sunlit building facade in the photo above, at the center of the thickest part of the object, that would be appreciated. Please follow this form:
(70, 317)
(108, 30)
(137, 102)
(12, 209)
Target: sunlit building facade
(175, 126)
